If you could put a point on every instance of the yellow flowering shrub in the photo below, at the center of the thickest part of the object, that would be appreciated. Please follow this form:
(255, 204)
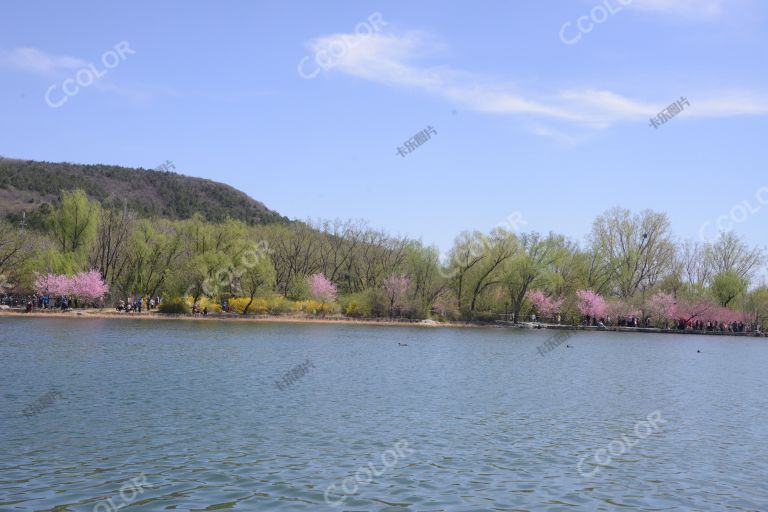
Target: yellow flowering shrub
(278, 304)
(314, 307)
(258, 307)
(354, 309)
(205, 302)
(356, 305)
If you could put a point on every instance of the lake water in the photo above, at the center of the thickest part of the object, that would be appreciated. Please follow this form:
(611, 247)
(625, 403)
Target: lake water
(137, 415)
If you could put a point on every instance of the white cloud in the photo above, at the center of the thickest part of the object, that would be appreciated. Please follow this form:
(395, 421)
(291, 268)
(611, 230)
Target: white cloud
(559, 136)
(388, 59)
(57, 67)
(684, 8)
(36, 61)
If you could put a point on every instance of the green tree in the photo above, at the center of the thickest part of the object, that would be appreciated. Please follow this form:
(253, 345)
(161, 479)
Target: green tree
(154, 258)
(728, 285)
(74, 226)
(528, 267)
(635, 250)
(258, 277)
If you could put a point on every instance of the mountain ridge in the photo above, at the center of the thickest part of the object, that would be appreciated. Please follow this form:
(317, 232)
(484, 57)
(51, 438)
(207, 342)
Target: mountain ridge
(33, 187)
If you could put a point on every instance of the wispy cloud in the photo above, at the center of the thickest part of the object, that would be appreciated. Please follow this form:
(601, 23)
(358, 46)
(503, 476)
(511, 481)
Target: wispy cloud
(36, 61)
(390, 60)
(58, 67)
(552, 133)
(682, 8)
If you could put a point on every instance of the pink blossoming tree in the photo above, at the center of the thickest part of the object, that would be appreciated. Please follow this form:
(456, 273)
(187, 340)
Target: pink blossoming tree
(396, 287)
(321, 288)
(53, 284)
(89, 286)
(446, 304)
(85, 286)
(546, 306)
(698, 309)
(591, 304)
(662, 306)
(621, 310)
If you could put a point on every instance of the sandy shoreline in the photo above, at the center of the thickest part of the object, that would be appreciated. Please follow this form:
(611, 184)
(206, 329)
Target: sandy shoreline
(112, 314)
(296, 319)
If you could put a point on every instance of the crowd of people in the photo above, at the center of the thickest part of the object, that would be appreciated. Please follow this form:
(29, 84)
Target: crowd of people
(47, 302)
(681, 324)
(34, 301)
(136, 304)
(196, 310)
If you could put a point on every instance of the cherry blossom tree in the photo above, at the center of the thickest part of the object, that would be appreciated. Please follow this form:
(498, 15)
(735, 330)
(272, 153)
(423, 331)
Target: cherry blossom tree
(53, 284)
(43, 284)
(546, 306)
(321, 288)
(591, 304)
(86, 286)
(395, 288)
(446, 304)
(662, 305)
(698, 309)
(539, 300)
(719, 314)
(619, 309)
(89, 286)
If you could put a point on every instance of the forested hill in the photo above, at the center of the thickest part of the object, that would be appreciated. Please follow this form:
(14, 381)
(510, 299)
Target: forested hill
(34, 187)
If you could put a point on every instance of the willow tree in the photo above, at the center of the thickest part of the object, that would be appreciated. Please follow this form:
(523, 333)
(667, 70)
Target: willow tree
(499, 247)
(154, 257)
(468, 251)
(258, 277)
(635, 250)
(728, 285)
(528, 267)
(12, 244)
(111, 248)
(73, 226)
(730, 254)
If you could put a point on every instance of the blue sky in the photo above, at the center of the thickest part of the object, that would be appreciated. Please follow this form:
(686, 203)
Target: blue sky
(532, 114)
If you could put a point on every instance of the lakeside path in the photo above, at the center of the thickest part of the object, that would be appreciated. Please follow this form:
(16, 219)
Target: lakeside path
(108, 313)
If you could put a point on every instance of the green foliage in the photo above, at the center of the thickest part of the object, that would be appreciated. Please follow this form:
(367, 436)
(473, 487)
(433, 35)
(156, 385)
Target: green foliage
(150, 193)
(298, 289)
(377, 302)
(727, 285)
(73, 227)
(258, 277)
(180, 251)
(356, 305)
(174, 306)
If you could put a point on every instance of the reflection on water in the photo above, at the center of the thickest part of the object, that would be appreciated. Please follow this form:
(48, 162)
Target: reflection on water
(194, 409)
